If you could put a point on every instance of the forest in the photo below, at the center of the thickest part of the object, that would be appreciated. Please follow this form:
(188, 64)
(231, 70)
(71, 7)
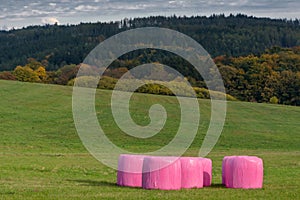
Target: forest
(258, 58)
(234, 35)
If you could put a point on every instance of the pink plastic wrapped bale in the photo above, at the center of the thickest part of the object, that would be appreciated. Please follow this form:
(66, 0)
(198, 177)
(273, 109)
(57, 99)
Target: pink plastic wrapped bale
(130, 170)
(242, 172)
(163, 173)
(191, 172)
(207, 171)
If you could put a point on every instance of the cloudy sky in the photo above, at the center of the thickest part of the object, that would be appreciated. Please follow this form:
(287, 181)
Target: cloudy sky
(20, 13)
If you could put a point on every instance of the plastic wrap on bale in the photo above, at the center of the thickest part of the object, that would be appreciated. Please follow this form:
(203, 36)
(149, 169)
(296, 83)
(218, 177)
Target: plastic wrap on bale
(163, 173)
(191, 172)
(244, 172)
(207, 171)
(130, 170)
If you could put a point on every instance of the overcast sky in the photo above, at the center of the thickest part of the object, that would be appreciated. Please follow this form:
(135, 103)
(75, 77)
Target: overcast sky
(22, 13)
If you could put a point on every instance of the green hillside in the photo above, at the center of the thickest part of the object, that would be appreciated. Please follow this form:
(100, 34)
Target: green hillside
(42, 156)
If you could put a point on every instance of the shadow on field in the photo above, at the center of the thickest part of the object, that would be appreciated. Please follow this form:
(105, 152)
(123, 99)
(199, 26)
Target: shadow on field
(218, 185)
(94, 183)
(110, 184)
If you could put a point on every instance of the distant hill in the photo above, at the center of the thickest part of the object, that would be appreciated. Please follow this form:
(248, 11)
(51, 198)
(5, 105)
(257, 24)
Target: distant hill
(238, 35)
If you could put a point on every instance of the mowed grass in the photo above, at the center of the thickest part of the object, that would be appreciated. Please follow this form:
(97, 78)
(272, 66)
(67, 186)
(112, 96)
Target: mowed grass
(42, 157)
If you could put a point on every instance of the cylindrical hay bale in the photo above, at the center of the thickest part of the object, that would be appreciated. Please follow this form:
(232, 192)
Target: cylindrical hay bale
(130, 170)
(207, 171)
(191, 172)
(162, 173)
(244, 172)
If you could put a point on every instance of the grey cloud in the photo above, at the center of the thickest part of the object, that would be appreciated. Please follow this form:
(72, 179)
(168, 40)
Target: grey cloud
(24, 12)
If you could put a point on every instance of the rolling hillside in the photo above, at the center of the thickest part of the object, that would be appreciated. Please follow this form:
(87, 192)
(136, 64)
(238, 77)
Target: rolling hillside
(42, 156)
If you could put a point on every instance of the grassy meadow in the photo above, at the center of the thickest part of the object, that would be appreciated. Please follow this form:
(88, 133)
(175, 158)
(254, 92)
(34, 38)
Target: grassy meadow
(42, 157)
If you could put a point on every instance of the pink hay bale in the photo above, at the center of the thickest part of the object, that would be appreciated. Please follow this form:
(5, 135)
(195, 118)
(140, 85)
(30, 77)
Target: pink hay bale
(191, 172)
(207, 171)
(130, 170)
(162, 173)
(243, 172)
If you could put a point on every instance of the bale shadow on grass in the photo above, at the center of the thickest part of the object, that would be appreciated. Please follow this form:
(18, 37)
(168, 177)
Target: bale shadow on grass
(94, 183)
(217, 185)
(110, 184)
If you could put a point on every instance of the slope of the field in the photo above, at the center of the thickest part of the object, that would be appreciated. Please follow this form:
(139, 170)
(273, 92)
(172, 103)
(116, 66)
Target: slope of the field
(42, 157)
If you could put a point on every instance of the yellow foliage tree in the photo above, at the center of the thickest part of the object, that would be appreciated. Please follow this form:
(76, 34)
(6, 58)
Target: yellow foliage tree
(27, 74)
(41, 73)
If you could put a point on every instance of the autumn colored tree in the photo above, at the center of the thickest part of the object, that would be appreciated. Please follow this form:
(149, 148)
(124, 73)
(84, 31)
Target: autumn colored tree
(115, 73)
(65, 74)
(33, 71)
(41, 73)
(34, 64)
(7, 76)
(26, 74)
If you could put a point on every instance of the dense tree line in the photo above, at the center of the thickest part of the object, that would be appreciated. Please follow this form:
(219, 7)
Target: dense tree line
(235, 36)
(273, 76)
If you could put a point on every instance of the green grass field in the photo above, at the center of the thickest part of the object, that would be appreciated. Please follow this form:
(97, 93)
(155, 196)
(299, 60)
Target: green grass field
(42, 157)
